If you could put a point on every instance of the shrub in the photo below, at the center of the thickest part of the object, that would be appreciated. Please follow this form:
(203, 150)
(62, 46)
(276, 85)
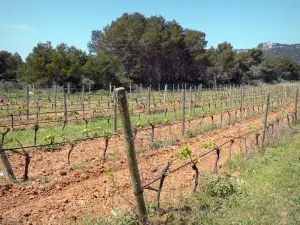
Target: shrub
(220, 187)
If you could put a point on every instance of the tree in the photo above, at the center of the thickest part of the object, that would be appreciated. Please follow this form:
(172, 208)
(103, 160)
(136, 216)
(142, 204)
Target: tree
(36, 68)
(9, 64)
(245, 61)
(46, 65)
(222, 63)
(104, 69)
(66, 64)
(139, 49)
(151, 50)
(278, 69)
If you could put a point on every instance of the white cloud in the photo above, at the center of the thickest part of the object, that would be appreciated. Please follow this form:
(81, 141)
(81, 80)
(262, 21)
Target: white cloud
(24, 27)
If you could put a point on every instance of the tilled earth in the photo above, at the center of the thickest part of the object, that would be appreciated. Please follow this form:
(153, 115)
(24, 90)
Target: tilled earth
(56, 194)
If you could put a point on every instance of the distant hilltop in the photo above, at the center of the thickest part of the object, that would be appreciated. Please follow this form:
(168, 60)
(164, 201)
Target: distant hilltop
(269, 45)
(274, 50)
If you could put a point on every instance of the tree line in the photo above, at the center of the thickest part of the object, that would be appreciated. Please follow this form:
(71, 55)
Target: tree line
(137, 49)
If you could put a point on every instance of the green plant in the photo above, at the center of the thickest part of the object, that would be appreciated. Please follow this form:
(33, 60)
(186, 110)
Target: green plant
(96, 130)
(73, 113)
(207, 145)
(50, 138)
(260, 101)
(139, 123)
(85, 132)
(58, 117)
(45, 117)
(160, 144)
(102, 92)
(107, 135)
(185, 153)
(253, 128)
(167, 121)
(151, 209)
(207, 112)
(220, 187)
(44, 179)
(80, 166)
(111, 178)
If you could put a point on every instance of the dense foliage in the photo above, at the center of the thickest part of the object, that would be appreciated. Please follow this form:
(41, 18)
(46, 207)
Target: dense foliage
(9, 64)
(46, 65)
(137, 49)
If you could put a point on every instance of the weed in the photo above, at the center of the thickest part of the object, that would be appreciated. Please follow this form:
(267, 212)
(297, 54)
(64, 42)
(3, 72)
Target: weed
(220, 187)
(160, 144)
(80, 166)
(44, 179)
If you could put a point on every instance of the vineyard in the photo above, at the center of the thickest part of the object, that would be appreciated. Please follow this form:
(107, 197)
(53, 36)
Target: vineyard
(64, 155)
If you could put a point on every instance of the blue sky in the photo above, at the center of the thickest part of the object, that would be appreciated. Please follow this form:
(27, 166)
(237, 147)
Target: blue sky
(242, 23)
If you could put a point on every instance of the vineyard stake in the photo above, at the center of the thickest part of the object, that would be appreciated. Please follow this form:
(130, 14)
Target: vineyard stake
(82, 98)
(130, 88)
(191, 100)
(69, 91)
(33, 92)
(6, 164)
(55, 97)
(149, 98)
(165, 93)
(12, 121)
(265, 120)
(296, 105)
(241, 102)
(65, 107)
(115, 113)
(183, 112)
(27, 102)
(5, 160)
(131, 155)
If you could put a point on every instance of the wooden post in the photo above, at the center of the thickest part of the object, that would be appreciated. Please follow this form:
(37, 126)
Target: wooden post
(6, 164)
(12, 121)
(37, 112)
(27, 102)
(69, 91)
(131, 155)
(195, 98)
(265, 120)
(33, 91)
(130, 88)
(230, 97)
(82, 98)
(191, 100)
(115, 112)
(165, 93)
(149, 99)
(65, 107)
(183, 112)
(296, 105)
(55, 97)
(241, 102)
